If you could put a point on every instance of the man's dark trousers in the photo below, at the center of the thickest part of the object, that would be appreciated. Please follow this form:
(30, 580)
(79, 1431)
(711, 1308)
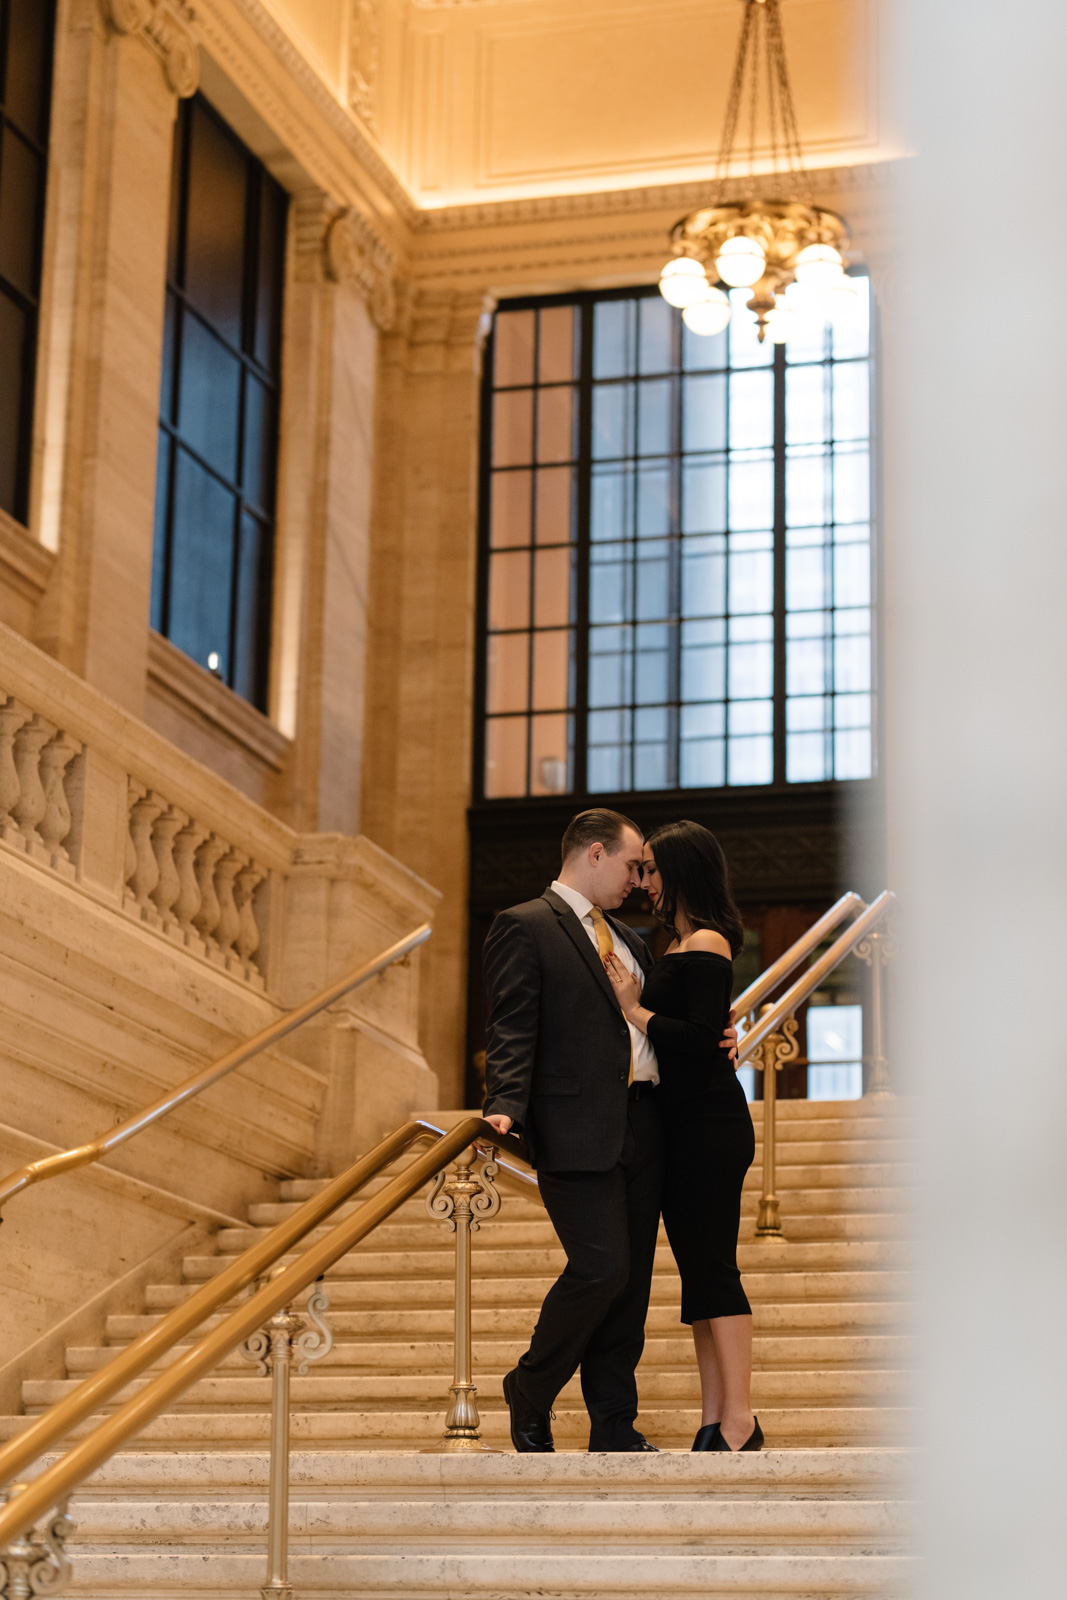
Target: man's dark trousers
(594, 1314)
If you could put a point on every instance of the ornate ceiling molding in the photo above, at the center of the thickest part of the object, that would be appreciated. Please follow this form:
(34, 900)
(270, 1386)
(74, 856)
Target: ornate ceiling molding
(353, 253)
(166, 27)
(363, 60)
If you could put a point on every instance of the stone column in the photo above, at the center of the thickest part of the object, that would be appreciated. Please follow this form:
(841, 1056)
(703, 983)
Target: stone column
(339, 297)
(417, 781)
(121, 66)
(976, 565)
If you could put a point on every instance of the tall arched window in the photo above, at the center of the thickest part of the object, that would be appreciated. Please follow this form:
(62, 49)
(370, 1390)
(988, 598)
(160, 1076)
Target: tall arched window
(676, 552)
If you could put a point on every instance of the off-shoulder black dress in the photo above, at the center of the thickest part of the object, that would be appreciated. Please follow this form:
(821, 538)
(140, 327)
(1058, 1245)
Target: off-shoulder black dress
(708, 1128)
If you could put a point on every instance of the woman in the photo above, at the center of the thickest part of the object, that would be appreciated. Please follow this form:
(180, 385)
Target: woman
(683, 1008)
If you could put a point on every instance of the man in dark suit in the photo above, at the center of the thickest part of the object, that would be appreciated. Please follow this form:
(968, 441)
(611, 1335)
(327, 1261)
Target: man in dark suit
(565, 1068)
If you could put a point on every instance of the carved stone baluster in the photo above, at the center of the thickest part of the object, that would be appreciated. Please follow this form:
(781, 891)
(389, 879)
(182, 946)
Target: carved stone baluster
(12, 716)
(248, 880)
(55, 824)
(31, 805)
(206, 919)
(187, 905)
(167, 883)
(145, 875)
(229, 917)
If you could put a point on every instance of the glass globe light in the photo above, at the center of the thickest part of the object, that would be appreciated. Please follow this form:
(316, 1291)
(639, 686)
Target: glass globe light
(683, 281)
(819, 265)
(741, 262)
(709, 315)
(841, 300)
(783, 321)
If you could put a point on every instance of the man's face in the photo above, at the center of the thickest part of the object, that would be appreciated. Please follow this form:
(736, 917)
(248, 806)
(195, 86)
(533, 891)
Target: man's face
(616, 874)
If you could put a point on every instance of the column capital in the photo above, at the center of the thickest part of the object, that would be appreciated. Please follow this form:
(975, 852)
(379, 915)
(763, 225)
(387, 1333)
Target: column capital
(353, 253)
(443, 328)
(166, 27)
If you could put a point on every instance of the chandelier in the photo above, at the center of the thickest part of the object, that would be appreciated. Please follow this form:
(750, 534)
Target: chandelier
(779, 244)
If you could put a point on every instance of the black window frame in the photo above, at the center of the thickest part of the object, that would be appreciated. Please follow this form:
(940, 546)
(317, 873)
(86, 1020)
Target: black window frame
(28, 304)
(579, 796)
(269, 378)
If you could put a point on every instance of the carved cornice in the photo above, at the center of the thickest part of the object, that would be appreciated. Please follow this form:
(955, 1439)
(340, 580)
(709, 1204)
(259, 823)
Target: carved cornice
(353, 253)
(166, 27)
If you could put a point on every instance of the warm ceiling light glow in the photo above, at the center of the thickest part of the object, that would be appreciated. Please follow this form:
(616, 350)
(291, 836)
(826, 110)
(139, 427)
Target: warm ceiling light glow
(683, 281)
(819, 265)
(708, 315)
(741, 262)
(783, 321)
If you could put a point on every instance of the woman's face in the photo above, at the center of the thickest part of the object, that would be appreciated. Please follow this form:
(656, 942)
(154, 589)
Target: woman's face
(651, 882)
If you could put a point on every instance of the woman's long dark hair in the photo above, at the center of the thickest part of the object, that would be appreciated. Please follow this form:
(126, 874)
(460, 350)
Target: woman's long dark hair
(696, 880)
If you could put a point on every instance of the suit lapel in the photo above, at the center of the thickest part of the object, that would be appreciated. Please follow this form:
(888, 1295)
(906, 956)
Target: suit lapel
(582, 942)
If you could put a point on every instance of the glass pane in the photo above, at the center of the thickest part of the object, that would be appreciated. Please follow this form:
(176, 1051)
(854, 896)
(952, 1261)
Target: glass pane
(751, 410)
(611, 503)
(608, 768)
(704, 413)
(552, 586)
(252, 633)
(510, 514)
(13, 336)
(655, 334)
(266, 346)
(745, 348)
(651, 683)
(613, 426)
(806, 405)
(703, 763)
(751, 580)
(654, 417)
(552, 662)
(835, 1052)
(610, 666)
(556, 355)
(505, 757)
(806, 579)
(853, 754)
(652, 586)
(704, 577)
(20, 203)
(650, 766)
(807, 488)
(809, 341)
(852, 662)
(852, 575)
(750, 761)
(550, 755)
(609, 584)
(750, 716)
(751, 672)
(210, 397)
(509, 590)
(159, 534)
(613, 338)
(852, 711)
(704, 496)
(555, 505)
(808, 714)
(852, 401)
(513, 348)
(806, 757)
(25, 92)
(653, 499)
(260, 438)
(168, 399)
(852, 485)
(806, 666)
(215, 223)
(513, 428)
(852, 334)
(752, 493)
(202, 560)
(555, 425)
(703, 661)
(508, 672)
(701, 354)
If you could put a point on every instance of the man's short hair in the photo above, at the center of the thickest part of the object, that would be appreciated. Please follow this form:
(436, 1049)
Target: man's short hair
(598, 826)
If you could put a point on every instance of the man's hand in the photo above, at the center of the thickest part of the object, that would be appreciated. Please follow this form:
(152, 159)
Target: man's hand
(500, 1123)
(729, 1041)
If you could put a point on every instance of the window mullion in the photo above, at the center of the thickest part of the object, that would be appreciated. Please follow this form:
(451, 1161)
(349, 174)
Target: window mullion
(585, 454)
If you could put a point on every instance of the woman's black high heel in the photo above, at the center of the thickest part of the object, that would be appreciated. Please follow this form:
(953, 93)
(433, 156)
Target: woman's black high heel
(753, 1442)
(706, 1437)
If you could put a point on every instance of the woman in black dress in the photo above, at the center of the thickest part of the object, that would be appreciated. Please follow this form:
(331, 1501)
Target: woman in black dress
(683, 1008)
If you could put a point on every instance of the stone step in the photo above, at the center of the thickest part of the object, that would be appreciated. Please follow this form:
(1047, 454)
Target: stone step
(766, 1255)
(401, 1390)
(393, 1429)
(400, 1326)
(528, 1292)
(825, 1350)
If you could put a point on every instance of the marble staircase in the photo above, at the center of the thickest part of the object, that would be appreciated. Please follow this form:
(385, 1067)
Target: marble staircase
(818, 1513)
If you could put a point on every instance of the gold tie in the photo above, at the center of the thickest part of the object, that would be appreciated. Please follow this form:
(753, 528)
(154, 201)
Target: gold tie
(606, 945)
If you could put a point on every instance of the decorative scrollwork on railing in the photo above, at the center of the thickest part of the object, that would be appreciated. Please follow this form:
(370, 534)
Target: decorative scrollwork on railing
(37, 1563)
(465, 1192)
(486, 1203)
(256, 1351)
(317, 1341)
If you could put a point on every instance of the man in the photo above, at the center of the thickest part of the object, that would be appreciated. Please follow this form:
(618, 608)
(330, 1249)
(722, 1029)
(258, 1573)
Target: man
(564, 1068)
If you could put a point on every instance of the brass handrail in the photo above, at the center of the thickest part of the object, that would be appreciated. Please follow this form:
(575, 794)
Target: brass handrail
(768, 981)
(59, 1480)
(84, 1155)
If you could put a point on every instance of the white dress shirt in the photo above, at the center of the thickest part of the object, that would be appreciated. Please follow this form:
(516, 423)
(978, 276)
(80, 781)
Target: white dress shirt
(646, 1068)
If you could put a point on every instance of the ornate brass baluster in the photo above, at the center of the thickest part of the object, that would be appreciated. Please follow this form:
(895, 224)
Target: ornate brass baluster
(876, 950)
(770, 1058)
(271, 1350)
(460, 1197)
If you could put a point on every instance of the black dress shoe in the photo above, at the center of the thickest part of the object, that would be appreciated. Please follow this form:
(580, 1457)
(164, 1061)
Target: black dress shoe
(753, 1442)
(706, 1436)
(531, 1430)
(640, 1444)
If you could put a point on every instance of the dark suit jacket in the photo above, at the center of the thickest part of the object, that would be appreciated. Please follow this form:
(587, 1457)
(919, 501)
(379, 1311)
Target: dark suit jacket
(558, 1051)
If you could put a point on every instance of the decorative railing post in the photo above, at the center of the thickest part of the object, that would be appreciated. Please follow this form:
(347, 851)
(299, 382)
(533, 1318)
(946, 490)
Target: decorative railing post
(876, 950)
(460, 1197)
(770, 1058)
(36, 1563)
(271, 1351)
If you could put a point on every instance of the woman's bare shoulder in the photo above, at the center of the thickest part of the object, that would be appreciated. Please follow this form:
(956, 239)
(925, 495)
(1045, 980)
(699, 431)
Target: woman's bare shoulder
(707, 939)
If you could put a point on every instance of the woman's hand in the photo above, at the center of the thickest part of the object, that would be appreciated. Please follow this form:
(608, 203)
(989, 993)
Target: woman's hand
(627, 989)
